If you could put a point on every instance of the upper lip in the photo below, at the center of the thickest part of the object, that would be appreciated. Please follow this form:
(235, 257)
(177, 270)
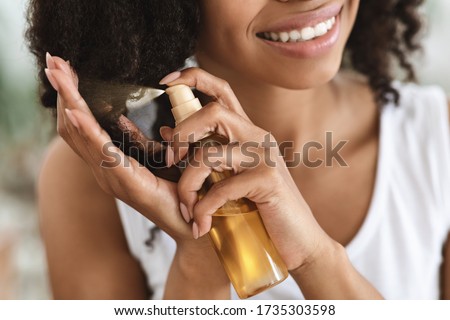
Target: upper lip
(304, 19)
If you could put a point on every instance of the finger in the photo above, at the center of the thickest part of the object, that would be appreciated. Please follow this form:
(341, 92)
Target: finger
(213, 164)
(166, 133)
(192, 180)
(212, 86)
(61, 124)
(62, 65)
(97, 141)
(54, 62)
(71, 99)
(50, 62)
(61, 127)
(65, 128)
(79, 144)
(151, 150)
(67, 89)
(213, 118)
(244, 185)
(138, 138)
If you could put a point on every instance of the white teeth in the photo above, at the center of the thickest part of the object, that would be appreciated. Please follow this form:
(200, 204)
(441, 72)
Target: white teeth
(320, 29)
(295, 36)
(284, 36)
(304, 34)
(307, 33)
(274, 36)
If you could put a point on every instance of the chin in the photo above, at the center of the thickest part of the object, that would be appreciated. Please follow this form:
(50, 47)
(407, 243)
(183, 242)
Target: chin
(305, 75)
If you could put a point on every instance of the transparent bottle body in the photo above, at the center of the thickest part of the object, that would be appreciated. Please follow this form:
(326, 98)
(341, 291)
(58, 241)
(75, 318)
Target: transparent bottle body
(241, 241)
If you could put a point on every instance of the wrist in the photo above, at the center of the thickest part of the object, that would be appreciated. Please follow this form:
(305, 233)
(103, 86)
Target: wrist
(193, 253)
(196, 273)
(329, 256)
(329, 274)
(326, 255)
(197, 259)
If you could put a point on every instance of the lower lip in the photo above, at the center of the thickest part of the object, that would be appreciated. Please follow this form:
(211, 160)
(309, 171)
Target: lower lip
(311, 48)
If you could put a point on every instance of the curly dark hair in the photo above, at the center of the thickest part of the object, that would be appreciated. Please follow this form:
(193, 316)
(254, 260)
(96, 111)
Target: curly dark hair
(138, 42)
(115, 42)
(385, 32)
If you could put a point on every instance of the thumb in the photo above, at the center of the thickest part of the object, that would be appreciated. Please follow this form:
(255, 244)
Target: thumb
(166, 133)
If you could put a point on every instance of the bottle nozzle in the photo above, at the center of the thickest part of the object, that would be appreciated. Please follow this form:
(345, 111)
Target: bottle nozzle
(183, 101)
(179, 94)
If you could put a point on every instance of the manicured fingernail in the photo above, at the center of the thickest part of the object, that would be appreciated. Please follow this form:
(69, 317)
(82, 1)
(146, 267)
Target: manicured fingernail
(169, 156)
(170, 77)
(64, 67)
(185, 213)
(50, 61)
(52, 79)
(164, 132)
(72, 119)
(195, 232)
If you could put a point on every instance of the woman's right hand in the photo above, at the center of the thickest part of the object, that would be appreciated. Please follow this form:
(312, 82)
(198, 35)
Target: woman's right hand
(195, 261)
(127, 180)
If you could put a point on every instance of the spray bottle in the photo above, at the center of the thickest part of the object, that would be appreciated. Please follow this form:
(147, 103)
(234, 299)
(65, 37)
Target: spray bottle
(238, 235)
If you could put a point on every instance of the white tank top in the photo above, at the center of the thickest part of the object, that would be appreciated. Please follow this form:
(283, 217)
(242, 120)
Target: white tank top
(399, 246)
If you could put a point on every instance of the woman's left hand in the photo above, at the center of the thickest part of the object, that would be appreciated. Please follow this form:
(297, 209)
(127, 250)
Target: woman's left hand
(267, 181)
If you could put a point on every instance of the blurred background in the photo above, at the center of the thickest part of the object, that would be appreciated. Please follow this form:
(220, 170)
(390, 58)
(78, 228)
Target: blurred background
(26, 128)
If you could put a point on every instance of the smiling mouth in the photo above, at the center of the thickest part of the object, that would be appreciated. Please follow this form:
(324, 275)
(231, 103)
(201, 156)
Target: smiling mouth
(300, 35)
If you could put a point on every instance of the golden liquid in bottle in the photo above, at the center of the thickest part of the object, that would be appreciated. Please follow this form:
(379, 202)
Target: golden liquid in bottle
(241, 241)
(246, 252)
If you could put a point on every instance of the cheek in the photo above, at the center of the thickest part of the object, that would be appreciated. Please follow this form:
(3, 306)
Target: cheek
(305, 74)
(224, 27)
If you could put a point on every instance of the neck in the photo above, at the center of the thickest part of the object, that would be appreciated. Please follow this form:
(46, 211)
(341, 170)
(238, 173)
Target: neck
(287, 114)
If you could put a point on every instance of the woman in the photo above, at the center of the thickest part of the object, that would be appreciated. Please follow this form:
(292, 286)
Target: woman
(385, 202)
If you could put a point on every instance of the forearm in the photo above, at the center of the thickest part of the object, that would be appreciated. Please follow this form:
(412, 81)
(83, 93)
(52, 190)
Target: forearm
(198, 275)
(333, 277)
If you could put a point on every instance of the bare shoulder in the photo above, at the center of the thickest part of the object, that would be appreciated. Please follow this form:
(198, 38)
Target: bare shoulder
(66, 184)
(63, 169)
(86, 249)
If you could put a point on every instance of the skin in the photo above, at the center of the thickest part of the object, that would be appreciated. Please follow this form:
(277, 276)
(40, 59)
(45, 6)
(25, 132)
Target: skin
(309, 233)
